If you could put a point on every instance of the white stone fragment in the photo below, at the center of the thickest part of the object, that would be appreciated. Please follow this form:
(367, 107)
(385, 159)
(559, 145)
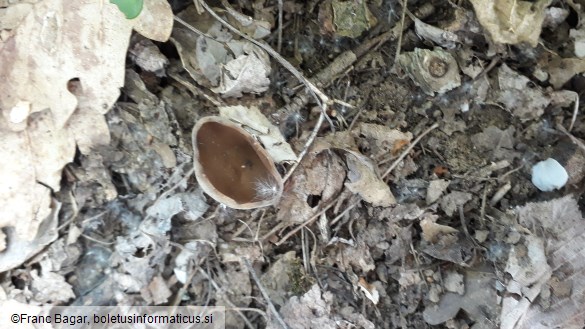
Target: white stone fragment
(549, 175)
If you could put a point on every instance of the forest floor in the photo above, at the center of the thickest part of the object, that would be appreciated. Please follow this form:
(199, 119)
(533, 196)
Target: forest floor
(415, 204)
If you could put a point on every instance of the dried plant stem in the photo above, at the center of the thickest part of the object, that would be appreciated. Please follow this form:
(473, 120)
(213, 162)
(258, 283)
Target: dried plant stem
(307, 145)
(280, 23)
(409, 148)
(573, 138)
(221, 292)
(264, 293)
(305, 223)
(575, 111)
(404, 4)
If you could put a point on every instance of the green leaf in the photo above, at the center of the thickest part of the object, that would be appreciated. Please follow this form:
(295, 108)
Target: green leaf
(130, 8)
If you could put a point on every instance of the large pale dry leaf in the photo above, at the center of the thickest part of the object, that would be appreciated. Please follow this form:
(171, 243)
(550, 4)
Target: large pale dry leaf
(19, 249)
(257, 124)
(62, 68)
(512, 22)
(29, 159)
(65, 40)
(564, 225)
(528, 267)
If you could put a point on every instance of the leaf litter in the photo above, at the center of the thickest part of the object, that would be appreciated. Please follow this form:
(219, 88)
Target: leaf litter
(408, 199)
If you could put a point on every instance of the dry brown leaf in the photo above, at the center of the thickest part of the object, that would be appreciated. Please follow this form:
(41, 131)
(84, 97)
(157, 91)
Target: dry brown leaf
(578, 36)
(314, 310)
(435, 189)
(51, 287)
(355, 257)
(452, 201)
(157, 291)
(431, 230)
(512, 22)
(254, 28)
(365, 181)
(529, 270)
(499, 143)
(279, 278)
(247, 73)
(382, 139)
(319, 177)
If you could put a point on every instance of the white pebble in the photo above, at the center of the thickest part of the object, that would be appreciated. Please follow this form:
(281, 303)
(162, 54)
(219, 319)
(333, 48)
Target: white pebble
(549, 175)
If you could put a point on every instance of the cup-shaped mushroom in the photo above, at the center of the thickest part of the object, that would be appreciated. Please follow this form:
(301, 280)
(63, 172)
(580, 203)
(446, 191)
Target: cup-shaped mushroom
(232, 167)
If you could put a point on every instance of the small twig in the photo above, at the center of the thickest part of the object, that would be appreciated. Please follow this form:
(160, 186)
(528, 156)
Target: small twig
(305, 223)
(404, 4)
(264, 293)
(279, 42)
(307, 145)
(409, 148)
(345, 211)
(96, 240)
(221, 292)
(483, 204)
(506, 174)
(488, 68)
(500, 193)
(575, 111)
(573, 138)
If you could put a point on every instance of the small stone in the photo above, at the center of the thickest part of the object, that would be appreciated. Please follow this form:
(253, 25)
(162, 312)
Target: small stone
(549, 175)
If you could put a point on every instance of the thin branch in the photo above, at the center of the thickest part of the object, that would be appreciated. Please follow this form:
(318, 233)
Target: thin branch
(225, 298)
(404, 4)
(573, 138)
(264, 293)
(307, 145)
(575, 111)
(279, 42)
(409, 148)
(305, 223)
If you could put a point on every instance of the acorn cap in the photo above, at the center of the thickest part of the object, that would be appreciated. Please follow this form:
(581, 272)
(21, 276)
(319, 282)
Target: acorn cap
(232, 167)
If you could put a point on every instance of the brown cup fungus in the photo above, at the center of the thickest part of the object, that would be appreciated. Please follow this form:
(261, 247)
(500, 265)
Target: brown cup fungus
(232, 167)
